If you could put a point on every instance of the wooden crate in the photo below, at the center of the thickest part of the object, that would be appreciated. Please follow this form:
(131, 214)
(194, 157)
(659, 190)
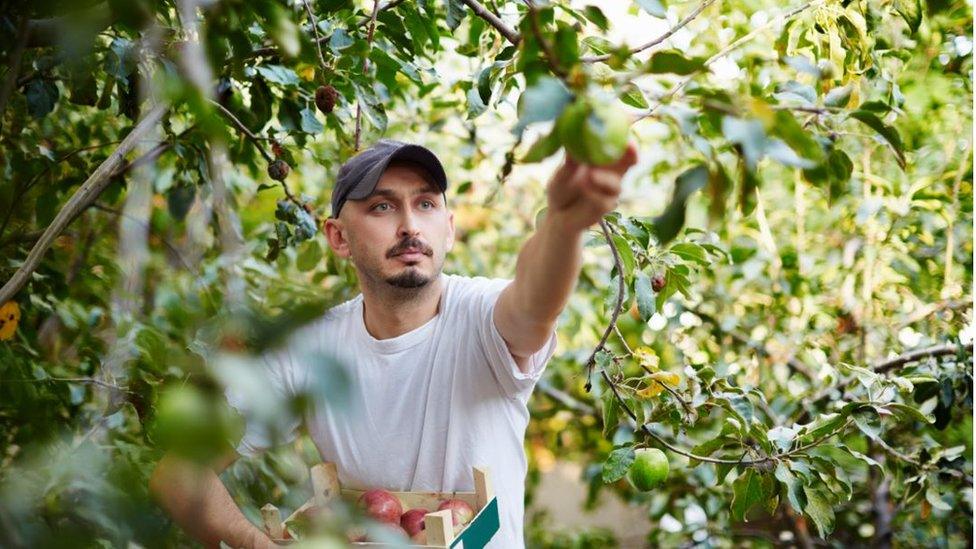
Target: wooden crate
(438, 524)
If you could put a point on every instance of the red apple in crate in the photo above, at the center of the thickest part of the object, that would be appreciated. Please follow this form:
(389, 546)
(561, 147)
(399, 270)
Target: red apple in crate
(420, 538)
(413, 520)
(461, 512)
(381, 505)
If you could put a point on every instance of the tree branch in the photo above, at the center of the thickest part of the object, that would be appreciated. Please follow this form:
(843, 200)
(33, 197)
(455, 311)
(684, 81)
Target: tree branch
(83, 197)
(240, 125)
(913, 356)
(785, 16)
(509, 33)
(681, 24)
(616, 309)
(369, 47)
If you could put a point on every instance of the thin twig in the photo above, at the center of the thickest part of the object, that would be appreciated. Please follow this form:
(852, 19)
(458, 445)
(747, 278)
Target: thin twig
(616, 309)
(240, 125)
(369, 47)
(680, 25)
(509, 33)
(913, 356)
(547, 50)
(725, 51)
(318, 39)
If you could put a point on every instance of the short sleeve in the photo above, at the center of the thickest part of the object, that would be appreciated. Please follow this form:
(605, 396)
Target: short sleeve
(260, 394)
(514, 383)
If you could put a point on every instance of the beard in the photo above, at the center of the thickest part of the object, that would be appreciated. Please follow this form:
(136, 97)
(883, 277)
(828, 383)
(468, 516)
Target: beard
(410, 278)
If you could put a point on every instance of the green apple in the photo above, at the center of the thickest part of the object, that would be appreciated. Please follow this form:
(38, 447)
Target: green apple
(594, 132)
(650, 468)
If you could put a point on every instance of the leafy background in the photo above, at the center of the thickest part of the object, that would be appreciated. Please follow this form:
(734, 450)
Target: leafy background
(804, 191)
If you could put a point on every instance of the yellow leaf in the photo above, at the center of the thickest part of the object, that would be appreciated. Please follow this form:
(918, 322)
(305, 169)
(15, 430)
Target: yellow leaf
(652, 390)
(307, 73)
(9, 317)
(647, 358)
(668, 378)
(656, 383)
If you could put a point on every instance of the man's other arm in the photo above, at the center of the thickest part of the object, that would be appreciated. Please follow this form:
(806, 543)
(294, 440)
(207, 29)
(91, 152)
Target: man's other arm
(549, 263)
(198, 501)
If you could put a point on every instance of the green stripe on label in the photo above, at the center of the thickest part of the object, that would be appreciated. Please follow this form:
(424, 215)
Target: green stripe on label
(480, 531)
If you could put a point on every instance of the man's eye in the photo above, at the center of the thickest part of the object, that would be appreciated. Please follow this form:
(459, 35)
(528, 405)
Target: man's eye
(376, 207)
(428, 202)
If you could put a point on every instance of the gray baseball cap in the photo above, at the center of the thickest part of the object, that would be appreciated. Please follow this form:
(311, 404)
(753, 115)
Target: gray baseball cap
(359, 175)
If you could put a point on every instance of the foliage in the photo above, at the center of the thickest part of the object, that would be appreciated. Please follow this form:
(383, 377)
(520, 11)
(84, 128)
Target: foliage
(800, 218)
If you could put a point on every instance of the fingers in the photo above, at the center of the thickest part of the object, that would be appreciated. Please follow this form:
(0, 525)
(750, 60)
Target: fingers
(628, 159)
(603, 181)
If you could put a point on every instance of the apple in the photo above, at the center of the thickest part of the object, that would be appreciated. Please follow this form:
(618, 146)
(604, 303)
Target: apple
(381, 505)
(420, 538)
(413, 520)
(461, 512)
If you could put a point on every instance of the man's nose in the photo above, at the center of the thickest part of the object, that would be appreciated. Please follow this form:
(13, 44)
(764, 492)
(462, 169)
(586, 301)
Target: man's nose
(408, 224)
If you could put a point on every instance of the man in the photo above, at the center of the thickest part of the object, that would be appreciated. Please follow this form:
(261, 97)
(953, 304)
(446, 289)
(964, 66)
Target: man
(443, 365)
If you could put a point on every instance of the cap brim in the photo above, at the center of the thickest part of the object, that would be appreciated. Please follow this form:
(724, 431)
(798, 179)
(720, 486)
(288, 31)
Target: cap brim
(413, 153)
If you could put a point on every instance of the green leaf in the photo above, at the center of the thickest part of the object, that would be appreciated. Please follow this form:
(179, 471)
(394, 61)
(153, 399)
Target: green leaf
(309, 256)
(279, 75)
(690, 251)
(42, 95)
(933, 497)
(747, 492)
(820, 510)
(794, 487)
(339, 41)
(909, 412)
(310, 124)
(869, 424)
(543, 101)
(674, 62)
(889, 134)
(616, 465)
(596, 16)
(634, 97)
(838, 97)
(645, 296)
(610, 301)
(611, 411)
(455, 13)
(476, 106)
(625, 253)
(669, 223)
(653, 7)
(543, 148)
(749, 134)
(911, 12)
(179, 199)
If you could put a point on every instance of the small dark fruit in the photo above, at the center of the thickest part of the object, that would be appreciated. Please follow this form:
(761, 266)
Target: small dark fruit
(278, 169)
(325, 98)
(657, 282)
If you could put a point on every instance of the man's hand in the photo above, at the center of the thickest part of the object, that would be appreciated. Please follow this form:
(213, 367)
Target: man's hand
(581, 194)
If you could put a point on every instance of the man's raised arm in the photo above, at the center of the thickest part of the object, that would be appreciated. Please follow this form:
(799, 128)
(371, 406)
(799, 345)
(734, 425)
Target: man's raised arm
(550, 261)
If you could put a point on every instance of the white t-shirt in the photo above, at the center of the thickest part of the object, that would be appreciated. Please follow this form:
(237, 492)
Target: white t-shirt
(425, 407)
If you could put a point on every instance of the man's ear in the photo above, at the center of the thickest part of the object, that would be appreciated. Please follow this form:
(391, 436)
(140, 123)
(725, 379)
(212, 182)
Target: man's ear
(335, 235)
(450, 232)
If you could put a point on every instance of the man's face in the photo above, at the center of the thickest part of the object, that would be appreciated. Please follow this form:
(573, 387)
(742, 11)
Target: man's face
(400, 234)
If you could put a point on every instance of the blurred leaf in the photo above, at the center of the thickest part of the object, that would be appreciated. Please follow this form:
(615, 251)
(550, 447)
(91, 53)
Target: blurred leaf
(653, 7)
(42, 96)
(673, 61)
(669, 223)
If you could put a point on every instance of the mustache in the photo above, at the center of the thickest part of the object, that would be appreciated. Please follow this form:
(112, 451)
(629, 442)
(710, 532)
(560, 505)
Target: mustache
(410, 243)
